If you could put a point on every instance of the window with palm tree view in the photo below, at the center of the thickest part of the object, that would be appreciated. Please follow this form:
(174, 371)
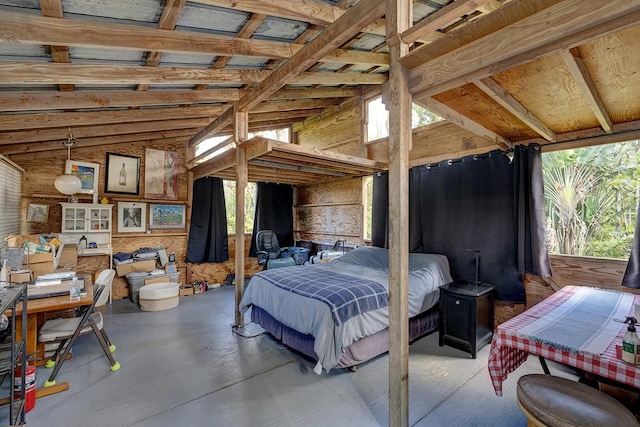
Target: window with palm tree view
(591, 199)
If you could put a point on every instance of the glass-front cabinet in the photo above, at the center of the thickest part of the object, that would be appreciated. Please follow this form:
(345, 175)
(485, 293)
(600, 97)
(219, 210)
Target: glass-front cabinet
(88, 218)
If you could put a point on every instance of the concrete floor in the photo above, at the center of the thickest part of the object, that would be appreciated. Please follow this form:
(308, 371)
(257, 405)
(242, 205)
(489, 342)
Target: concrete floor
(185, 367)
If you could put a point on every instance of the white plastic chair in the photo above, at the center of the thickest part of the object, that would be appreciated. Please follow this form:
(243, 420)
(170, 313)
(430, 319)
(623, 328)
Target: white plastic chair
(105, 278)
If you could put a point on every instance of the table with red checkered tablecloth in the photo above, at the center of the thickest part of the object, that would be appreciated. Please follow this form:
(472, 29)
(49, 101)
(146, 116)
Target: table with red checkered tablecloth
(509, 350)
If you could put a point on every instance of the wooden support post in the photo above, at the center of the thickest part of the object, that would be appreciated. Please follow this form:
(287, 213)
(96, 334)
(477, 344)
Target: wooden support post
(398, 16)
(241, 133)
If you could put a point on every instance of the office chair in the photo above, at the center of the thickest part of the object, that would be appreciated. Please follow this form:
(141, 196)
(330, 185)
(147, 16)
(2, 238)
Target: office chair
(65, 331)
(270, 255)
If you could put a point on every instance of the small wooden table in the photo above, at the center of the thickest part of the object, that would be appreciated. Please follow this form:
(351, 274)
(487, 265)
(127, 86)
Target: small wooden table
(37, 309)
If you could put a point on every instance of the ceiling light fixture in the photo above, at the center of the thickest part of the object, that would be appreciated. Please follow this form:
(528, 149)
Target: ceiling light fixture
(68, 183)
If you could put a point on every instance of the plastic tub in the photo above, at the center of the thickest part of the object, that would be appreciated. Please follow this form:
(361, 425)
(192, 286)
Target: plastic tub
(159, 296)
(136, 281)
(301, 255)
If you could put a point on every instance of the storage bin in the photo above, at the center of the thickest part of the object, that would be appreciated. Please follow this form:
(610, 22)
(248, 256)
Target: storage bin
(136, 281)
(301, 255)
(159, 296)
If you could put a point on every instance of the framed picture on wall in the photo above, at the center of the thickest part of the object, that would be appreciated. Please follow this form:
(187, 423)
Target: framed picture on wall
(37, 212)
(89, 174)
(132, 217)
(167, 216)
(160, 174)
(122, 174)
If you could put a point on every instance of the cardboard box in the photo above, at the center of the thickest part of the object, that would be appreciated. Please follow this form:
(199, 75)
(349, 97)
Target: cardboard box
(147, 265)
(39, 264)
(185, 291)
(22, 277)
(157, 280)
(68, 258)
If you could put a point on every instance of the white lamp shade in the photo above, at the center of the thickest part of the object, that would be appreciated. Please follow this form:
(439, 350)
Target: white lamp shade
(68, 184)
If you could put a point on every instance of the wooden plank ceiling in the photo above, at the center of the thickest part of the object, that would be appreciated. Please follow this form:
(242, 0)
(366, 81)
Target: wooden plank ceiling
(118, 72)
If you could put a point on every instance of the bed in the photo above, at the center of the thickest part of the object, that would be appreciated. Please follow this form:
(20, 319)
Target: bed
(337, 312)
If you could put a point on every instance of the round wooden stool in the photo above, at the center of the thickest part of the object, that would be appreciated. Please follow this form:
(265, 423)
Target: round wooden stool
(558, 402)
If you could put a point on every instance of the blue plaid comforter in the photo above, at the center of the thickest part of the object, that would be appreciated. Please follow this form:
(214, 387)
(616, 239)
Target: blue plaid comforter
(346, 296)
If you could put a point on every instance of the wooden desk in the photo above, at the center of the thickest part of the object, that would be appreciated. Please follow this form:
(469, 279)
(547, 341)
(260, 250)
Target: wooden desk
(512, 343)
(37, 309)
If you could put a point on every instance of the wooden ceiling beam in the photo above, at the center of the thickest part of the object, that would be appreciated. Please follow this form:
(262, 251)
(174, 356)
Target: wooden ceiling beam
(219, 123)
(9, 122)
(29, 29)
(578, 70)
(502, 97)
(170, 14)
(566, 24)
(589, 137)
(312, 93)
(61, 134)
(312, 11)
(39, 73)
(448, 14)
(179, 134)
(307, 104)
(53, 8)
(464, 122)
(51, 100)
(337, 33)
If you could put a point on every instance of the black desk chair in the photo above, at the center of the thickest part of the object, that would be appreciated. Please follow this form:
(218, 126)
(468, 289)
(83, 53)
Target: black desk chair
(270, 255)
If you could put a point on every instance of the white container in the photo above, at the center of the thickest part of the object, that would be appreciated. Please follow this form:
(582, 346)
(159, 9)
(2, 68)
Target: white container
(159, 296)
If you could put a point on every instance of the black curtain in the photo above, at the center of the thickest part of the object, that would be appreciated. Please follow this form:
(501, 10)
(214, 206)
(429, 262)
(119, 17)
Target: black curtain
(208, 238)
(274, 211)
(483, 203)
(532, 253)
(380, 210)
(631, 277)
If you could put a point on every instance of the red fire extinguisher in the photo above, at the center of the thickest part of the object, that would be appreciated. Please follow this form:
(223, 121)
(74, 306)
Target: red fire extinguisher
(29, 386)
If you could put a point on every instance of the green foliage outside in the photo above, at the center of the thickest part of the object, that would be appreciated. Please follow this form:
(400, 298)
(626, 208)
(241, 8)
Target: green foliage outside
(591, 199)
(230, 204)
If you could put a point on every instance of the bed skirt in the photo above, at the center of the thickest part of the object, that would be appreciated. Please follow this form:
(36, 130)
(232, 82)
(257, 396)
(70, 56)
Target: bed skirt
(358, 352)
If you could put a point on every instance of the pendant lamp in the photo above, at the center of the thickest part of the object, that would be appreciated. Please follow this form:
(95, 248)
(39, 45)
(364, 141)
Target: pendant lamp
(68, 183)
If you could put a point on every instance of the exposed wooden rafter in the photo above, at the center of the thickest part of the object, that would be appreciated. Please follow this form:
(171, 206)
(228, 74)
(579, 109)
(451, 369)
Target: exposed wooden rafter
(458, 119)
(566, 24)
(332, 37)
(53, 8)
(18, 27)
(31, 73)
(47, 100)
(502, 97)
(576, 66)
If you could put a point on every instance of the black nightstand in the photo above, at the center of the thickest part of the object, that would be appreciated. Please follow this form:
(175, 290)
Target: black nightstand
(466, 315)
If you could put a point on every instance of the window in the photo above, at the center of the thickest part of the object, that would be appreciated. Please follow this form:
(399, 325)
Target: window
(10, 190)
(230, 204)
(368, 206)
(591, 199)
(378, 118)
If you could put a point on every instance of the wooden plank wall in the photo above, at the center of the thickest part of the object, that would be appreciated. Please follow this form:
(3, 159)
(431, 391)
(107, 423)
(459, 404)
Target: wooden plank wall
(333, 210)
(37, 187)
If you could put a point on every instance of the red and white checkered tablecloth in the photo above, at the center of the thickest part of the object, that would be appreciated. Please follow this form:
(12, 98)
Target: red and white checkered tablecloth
(508, 350)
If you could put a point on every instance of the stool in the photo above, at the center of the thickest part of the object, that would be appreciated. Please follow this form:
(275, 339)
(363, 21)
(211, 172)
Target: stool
(159, 296)
(558, 402)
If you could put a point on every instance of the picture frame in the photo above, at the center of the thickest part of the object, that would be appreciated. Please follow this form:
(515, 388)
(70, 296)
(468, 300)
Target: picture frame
(122, 174)
(167, 216)
(89, 174)
(132, 217)
(160, 174)
(37, 212)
